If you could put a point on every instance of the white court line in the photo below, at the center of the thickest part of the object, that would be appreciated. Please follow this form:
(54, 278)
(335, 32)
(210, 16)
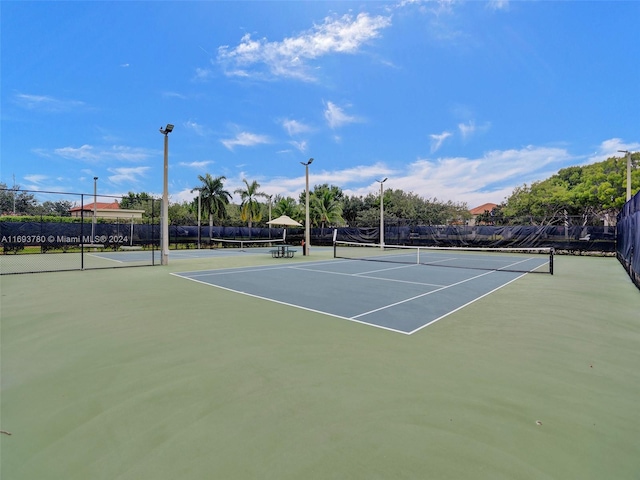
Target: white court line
(293, 305)
(363, 275)
(421, 295)
(463, 306)
(354, 318)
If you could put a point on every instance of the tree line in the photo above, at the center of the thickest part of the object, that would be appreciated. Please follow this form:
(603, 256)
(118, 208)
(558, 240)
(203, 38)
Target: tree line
(593, 193)
(329, 206)
(590, 195)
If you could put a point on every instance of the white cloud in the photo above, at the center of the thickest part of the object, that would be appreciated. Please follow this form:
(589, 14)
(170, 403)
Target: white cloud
(245, 139)
(202, 74)
(85, 152)
(294, 127)
(301, 146)
(174, 95)
(46, 103)
(498, 4)
(91, 154)
(197, 165)
(437, 139)
(470, 128)
(35, 178)
(289, 58)
(336, 117)
(466, 129)
(127, 174)
(611, 148)
(197, 128)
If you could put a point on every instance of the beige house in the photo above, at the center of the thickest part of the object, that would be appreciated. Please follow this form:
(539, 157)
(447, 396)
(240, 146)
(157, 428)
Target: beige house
(105, 210)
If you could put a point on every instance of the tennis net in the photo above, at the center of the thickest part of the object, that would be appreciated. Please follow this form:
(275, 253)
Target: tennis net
(528, 260)
(245, 244)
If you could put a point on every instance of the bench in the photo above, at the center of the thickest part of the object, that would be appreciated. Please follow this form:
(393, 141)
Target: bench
(130, 247)
(282, 253)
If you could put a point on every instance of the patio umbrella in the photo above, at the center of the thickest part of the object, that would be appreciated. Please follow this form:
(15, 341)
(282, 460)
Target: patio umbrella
(285, 221)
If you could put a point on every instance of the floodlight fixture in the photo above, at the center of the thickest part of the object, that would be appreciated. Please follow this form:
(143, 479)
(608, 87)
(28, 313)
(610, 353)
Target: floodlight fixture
(168, 129)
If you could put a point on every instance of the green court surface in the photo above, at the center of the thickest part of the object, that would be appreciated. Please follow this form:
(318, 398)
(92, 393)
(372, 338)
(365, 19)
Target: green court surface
(139, 374)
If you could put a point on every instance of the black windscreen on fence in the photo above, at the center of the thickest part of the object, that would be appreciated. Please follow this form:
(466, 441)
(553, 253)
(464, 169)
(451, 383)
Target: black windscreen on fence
(85, 232)
(628, 238)
(565, 239)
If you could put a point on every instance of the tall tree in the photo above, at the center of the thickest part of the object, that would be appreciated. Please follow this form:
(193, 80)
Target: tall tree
(591, 192)
(250, 207)
(326, 209)
(213, 197)
(287, 206)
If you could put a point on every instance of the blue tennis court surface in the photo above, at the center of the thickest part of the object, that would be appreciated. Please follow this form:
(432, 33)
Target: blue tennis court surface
(400, 298)
(144, 255)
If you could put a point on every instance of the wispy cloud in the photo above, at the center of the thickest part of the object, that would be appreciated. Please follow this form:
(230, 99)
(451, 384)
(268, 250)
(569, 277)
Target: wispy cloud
(46, 103)
(197, 128)
(498, 4)
(92, 154)
(470, 128)
(35, 178)
(127, 174)
(437, 139)
(301, 146)
(245, 139)
(202, 74)
(290, 57)
(489, 178)
(611, 148)
(336, 117)
(294, 127)
(174, 95)
(85, 152)
(196, 165)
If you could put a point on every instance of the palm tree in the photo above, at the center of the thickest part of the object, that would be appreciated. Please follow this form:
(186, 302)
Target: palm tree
(287, 206)
(250, 207)
(325, 208)
(214, 197)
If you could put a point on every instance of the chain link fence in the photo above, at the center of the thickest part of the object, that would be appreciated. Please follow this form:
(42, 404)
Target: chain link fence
(56, 231)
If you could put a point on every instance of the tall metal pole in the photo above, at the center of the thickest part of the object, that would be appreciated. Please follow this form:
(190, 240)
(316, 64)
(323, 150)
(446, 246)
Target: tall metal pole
(199, 214)
(165, 197)
(269, 197)
(628, 155)
(307, 229)
(95, 210)
(628, 176)
(381, 182)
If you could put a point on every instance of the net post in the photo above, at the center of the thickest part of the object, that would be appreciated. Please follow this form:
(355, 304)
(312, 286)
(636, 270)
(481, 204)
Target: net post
(335, 249)
(551, 252)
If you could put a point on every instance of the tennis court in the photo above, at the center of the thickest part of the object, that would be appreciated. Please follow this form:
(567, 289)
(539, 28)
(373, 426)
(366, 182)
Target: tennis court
(137, 374)
(385, 293)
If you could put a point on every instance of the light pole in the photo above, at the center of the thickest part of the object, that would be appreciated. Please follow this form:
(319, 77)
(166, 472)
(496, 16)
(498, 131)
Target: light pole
(628, 172)
(199, 215)
(307, 230)
(269, 197)
(381, 212)
(165, 197)
(95, 210)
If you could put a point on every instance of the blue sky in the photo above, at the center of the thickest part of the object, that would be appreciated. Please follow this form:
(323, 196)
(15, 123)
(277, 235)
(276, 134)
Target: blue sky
(459, 101)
